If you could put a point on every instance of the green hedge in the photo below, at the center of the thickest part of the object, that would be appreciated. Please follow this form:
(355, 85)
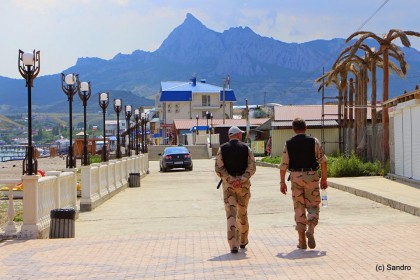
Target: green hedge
(342, 166)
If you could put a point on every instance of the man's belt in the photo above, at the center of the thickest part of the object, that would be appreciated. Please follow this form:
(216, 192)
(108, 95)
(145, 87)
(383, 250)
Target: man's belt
(303, 169)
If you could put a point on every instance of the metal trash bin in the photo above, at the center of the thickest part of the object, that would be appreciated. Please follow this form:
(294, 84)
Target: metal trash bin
(134, 180)
(62, 223)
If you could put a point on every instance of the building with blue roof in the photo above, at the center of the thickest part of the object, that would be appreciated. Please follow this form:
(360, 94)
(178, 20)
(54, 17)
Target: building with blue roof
(187, 100)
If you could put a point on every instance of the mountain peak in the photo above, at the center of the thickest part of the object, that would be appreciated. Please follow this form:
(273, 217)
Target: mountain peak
(191, 20)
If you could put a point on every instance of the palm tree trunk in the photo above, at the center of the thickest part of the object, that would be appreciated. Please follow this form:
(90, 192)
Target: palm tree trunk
(340, 122)
(345, 118)
(364, 111)
(373, 110)
(351, 109)
(385, 116)
(359, 116)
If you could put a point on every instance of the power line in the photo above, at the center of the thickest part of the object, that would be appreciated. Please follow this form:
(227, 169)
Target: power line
(361, 26)
(369, 18)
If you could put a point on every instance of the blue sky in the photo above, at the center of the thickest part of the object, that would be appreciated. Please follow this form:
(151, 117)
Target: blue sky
(65, 30)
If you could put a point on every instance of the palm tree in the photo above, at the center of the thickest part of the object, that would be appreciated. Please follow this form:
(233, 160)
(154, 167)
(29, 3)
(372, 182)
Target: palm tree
(385, 44)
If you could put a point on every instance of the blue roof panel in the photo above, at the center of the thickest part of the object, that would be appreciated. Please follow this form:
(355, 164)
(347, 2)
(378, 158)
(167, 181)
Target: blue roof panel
(175, 96)
(229, 95)
(183, 91)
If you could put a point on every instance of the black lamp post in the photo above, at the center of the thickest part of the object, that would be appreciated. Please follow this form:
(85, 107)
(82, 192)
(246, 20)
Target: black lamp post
(127, 119)
(207, 117)
(84, 94)
(136, 140)
(146, 119)
(196, 116)
(211, 127)
(142, 122)
(69, 84)
(117, 109)
(29, 66)
(103, 102)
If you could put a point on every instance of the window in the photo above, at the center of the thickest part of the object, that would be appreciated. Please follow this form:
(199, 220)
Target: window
(205, 100)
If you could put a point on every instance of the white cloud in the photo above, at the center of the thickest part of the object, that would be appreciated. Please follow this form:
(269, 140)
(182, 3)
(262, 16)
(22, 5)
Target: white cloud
(66, 30)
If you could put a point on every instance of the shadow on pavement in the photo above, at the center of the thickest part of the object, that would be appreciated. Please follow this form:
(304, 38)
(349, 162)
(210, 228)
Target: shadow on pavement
(302, 254)
(229, 256)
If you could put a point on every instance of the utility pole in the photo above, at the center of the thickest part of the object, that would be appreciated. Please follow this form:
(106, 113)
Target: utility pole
(247, 138)
(224, 98)
(264, 97)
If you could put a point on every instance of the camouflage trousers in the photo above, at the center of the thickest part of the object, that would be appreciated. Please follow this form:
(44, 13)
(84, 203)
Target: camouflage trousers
(236, 205)
(306, 199)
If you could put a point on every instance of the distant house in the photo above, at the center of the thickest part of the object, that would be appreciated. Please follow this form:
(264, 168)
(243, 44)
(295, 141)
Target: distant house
(111, 126)
(186, 100)
(216, 126)
(326, 128)
(312, 114)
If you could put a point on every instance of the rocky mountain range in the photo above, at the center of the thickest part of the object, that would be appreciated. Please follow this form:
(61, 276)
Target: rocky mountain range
(261, 69)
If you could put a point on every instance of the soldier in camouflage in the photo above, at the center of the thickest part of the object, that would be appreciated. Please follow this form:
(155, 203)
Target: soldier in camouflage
(235, 164)
(302, 155)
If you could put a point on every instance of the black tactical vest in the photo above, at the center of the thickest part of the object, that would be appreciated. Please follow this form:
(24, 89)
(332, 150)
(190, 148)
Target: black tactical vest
(301, 150)
(235, 157)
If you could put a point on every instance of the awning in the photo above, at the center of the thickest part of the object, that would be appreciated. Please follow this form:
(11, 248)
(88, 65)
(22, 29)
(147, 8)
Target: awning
(200, 127)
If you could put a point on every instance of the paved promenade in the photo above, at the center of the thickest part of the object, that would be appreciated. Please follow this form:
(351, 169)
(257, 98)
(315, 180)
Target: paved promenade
(173, 227)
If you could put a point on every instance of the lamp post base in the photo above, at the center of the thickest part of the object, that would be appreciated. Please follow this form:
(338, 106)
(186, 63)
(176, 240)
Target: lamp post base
(104, 154)
(70, 159)
(30, 164)
(85, 159)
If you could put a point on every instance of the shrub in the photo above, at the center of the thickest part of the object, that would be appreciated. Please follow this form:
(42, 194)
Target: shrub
(95, 159)
(272, 160)
(352, 167)
(344, 166)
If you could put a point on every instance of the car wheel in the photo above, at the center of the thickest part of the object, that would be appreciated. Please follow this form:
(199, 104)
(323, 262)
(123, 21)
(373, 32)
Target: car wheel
(190, 168)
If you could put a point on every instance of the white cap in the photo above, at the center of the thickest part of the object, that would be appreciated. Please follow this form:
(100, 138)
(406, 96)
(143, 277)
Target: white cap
(235, 130)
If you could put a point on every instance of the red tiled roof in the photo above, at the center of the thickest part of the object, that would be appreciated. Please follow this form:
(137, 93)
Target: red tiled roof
(189, 123)
(309, 112)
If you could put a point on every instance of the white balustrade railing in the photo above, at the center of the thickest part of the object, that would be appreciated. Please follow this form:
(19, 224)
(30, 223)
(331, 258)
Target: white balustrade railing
(59, 190)
(101, 181)
(10, 228)
(43, 194)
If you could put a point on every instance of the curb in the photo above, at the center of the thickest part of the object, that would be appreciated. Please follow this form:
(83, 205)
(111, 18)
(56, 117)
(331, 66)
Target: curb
(413, 210)
(377, 198)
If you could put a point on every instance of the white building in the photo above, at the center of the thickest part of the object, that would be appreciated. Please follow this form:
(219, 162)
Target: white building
(111, 127)
(187, 100)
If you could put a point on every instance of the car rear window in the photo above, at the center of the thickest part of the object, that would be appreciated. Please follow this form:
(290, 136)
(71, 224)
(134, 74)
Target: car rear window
(176, 150)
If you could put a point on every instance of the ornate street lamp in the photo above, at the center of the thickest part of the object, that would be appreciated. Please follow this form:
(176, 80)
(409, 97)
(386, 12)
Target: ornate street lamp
(207, 117)
(103, 102)
(211, 127)
(146, 120)
(69, 86)
(143, 121)
(136, 140)
(29, 66)
(127, 119)
(196, 116)
(84, 94)
(117, 109)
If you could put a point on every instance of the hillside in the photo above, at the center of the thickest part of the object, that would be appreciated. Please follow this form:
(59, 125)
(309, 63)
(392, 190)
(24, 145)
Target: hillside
(258, 66)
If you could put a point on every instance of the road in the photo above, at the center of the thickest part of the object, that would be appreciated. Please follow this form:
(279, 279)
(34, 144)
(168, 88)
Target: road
(179, 201)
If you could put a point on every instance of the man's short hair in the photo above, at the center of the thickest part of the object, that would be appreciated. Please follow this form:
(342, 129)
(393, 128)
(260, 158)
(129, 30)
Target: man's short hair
(299, 124)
